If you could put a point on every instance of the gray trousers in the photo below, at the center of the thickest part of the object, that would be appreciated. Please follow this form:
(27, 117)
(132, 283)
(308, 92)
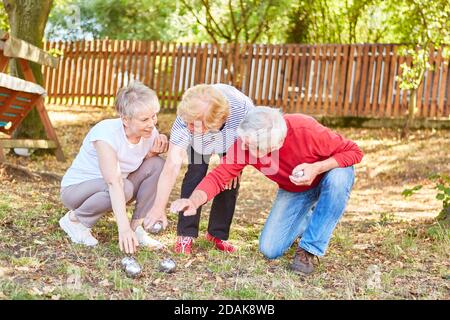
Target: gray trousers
(90, 200)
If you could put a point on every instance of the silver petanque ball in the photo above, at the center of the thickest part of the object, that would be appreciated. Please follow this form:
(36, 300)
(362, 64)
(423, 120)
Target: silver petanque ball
(131, 267)
(298, 174)
(167, 265)
(156, 228)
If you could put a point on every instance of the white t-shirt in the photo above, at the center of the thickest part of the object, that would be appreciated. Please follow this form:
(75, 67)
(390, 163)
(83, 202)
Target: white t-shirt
(130, 156)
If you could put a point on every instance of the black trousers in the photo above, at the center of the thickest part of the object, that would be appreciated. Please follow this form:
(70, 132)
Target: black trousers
(223, 205)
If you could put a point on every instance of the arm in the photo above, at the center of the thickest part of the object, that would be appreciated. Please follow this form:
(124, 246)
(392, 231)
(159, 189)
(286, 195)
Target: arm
(166, 183)
(337, 151)
(311, 170)
(110, 170)
(214, 182)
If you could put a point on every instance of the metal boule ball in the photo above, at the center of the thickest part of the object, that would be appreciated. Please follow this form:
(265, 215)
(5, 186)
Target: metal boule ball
(298, 174)
(126, 261)
(157, 227)
(167, 265)
(131, 267)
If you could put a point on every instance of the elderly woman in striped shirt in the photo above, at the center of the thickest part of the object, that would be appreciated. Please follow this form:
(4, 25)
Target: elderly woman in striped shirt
(207, 121)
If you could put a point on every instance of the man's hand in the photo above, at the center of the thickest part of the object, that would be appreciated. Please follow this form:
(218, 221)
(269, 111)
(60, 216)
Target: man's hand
(304, 174)
(160, 145)
(127, 241)
(153, 216)
(186, 205)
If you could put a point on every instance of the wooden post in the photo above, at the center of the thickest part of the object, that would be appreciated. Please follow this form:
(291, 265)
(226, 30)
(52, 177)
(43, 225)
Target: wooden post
(50, 131)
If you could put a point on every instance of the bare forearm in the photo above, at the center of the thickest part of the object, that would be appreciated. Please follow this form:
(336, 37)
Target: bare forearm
(326, 165)
(166, 183)
(198, 198)
(118, 204)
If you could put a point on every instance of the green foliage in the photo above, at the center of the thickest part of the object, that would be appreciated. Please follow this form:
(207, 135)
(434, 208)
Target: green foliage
(428, 27)
(264, 21)
(247, 21)
(115, 19)
(345, 21)
(442, 185)
(409, 192)
(4, 23)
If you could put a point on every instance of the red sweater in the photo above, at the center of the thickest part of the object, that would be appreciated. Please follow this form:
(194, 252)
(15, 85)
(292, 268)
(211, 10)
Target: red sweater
(307, 141)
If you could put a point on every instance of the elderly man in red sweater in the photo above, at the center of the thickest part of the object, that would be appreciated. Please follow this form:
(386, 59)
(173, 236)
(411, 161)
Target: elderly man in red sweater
(313, 167)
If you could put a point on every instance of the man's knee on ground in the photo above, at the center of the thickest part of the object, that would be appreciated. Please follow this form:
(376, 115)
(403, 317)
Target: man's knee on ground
(269, 250)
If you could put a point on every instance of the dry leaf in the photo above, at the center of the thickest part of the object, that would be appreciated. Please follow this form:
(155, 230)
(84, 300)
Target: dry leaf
(35, 291)
(48, 289)
(104, 283)
(25, 269)
(189, 263)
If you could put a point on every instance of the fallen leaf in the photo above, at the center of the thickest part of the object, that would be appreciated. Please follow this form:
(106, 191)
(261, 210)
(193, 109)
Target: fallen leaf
(4, 272)
(361, 246)
(104, 283)
(25, 269)
(48, 289)
(189, 263)
(35, 291)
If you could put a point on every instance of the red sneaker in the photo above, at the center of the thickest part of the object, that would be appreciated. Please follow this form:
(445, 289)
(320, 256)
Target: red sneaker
(183, 245)
(222, 245)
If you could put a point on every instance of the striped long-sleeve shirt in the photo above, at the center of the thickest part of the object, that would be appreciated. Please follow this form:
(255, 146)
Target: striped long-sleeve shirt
(218, 142)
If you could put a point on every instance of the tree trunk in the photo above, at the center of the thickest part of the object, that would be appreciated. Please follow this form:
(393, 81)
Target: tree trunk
(27, 20)
(412, 105)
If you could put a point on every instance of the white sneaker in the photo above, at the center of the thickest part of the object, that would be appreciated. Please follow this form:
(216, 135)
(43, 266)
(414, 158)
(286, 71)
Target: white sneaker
(77, 232)
(144, 239)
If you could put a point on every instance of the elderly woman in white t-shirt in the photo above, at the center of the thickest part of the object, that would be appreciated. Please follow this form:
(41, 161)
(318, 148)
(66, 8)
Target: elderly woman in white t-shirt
(117, 163)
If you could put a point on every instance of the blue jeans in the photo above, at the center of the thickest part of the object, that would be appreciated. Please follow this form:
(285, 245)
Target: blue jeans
(311, 215)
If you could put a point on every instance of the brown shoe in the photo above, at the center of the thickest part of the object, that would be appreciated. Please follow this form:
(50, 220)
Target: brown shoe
(303, 262)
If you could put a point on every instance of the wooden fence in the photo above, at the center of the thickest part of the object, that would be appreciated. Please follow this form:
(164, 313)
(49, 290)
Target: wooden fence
(344, 80)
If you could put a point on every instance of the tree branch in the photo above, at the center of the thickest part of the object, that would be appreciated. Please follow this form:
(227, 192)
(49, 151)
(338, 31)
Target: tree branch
(262, 22)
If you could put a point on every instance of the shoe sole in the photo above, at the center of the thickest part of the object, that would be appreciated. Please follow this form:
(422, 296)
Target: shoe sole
(65, 227)
(302, 273)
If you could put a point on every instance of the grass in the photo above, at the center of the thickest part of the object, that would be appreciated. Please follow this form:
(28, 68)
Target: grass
(385, 247)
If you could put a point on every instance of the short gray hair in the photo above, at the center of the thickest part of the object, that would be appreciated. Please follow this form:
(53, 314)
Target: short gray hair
(264, 125)
(135, 96)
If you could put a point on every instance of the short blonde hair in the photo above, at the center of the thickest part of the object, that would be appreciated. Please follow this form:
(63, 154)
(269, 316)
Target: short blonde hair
(135, 96)
(190, 109)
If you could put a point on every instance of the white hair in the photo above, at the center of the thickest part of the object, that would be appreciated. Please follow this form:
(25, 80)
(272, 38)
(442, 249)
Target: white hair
(265, 126)
(133, 97)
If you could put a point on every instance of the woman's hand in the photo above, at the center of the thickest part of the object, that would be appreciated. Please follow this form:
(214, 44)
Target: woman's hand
(153, 216)
(160, 145)
(304, 174)
(186, 205)
(127, 240)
